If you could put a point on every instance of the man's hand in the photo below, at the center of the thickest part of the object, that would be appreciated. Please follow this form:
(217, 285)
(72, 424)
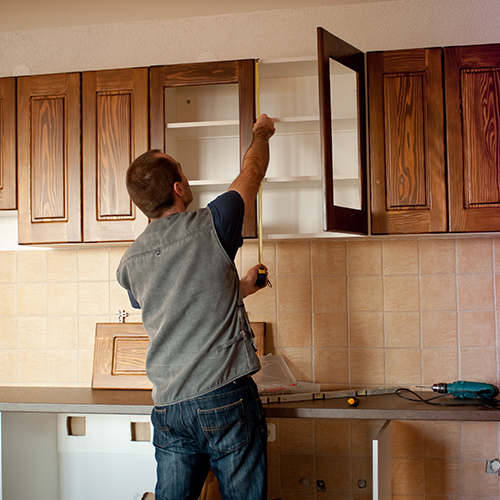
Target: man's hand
(248, 283)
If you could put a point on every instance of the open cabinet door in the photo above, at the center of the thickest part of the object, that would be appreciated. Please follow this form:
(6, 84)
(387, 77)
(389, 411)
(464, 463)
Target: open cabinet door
(341, 74)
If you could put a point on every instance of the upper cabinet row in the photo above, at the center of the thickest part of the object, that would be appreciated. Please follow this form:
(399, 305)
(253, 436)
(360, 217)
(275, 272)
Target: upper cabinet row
(432, 146)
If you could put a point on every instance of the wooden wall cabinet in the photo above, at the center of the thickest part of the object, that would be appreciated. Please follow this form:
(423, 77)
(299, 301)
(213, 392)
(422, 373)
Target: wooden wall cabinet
(100, 117)
(8, 184)
(434, 148)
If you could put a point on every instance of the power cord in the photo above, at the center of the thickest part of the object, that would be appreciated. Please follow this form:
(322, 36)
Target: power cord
(478, 401)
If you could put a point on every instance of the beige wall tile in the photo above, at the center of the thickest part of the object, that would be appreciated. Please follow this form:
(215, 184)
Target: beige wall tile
(330, 330)
(273, 474)
(475, 255)
(295, 330)
(331, 366)
(362, 472)
(329, 294)
(115, 256)
(93, 264)
(62, 298)
(475, 292)
(87, 328)
(442, 439)
(8, 302)
(365, 294)
(8, 267)
(478, 364)
(328, 257)
(403, 366)
(335, 472)
(119, 299)
(477, 329)
(32, 266)
(439, 365)
(294, 293)
(293, 258)
(400, 256)
(479, 439)
(497, 290)
(407, 439)
(63, 367)
(93, 297)
(85, 364)
(32, 332)
(439, 329)
(63, 332)
(438, 292)
(442, 476)
(364, 257)
(402, 329)
(331, 437)
(8, 366)
(8, 332)
(299, 360)
(437, 256)
(366, 329)
(475, 483)
(296, 436)
(293, 469)
(401, 293)
(250, 256)
(32, 367)
(407, 476)
(263, 301)
(496, 254)
(62, 265)
(362, 434)
(367, 366)
(31, 299)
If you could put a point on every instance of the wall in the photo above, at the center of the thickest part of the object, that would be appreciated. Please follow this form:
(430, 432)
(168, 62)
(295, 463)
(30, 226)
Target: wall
(351, 313)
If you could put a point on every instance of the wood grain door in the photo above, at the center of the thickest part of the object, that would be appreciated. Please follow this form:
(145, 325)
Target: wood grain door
(241, 73)
(49, 158)
(407, 155)
(115, 131)
(8, 183)
(472, 88)
(336, 216)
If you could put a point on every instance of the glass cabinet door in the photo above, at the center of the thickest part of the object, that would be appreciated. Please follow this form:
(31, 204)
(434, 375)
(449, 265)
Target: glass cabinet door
(341, 73)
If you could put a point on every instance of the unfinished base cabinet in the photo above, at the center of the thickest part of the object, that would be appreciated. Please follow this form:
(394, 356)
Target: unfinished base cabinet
(420, 129)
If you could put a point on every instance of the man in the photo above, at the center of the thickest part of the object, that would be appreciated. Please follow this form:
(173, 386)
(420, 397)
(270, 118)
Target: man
(201, 353)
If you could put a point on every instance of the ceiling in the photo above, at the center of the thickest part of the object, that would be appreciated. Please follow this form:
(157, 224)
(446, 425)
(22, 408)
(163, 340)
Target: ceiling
(25, 15)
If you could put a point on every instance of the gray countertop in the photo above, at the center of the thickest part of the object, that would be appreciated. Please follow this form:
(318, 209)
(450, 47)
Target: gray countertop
(139, 402)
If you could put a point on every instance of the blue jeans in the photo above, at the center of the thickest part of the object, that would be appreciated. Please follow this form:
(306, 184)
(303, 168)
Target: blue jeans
(224, 430)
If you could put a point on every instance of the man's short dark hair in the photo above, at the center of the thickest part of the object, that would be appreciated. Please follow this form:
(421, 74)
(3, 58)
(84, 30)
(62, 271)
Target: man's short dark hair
(150, 181)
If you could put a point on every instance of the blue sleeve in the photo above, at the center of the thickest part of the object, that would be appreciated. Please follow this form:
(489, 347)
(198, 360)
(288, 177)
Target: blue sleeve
(228, 211)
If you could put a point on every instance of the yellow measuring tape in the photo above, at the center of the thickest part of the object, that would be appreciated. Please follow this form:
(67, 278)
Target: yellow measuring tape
(259, 230)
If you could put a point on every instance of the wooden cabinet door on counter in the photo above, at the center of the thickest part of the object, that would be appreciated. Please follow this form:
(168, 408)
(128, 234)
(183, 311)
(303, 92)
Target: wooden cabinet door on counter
(49, 158)
(8, 198)
(472, 89)
(407, 153)
(115, 131)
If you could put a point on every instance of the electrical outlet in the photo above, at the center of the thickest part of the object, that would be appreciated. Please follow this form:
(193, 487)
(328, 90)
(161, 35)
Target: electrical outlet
(271, 433)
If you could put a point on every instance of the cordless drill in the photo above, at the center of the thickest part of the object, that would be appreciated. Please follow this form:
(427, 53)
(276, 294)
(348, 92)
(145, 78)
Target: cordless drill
(464, 390)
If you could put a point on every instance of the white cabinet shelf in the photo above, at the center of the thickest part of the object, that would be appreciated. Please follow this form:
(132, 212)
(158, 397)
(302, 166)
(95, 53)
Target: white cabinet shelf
(202, 133)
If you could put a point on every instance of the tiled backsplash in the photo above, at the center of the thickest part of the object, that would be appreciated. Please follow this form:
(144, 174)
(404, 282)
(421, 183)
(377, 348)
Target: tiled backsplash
(345, 312)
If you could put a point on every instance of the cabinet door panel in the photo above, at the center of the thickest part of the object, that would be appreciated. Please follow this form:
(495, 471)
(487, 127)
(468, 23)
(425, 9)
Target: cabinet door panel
(241, 73)
(351, 219)
(49, 158)
(115, 131)
(473, 124)
(407, 158)
(8, 198)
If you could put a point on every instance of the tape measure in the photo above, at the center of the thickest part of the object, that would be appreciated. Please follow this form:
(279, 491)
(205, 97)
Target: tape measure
(261, 272)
